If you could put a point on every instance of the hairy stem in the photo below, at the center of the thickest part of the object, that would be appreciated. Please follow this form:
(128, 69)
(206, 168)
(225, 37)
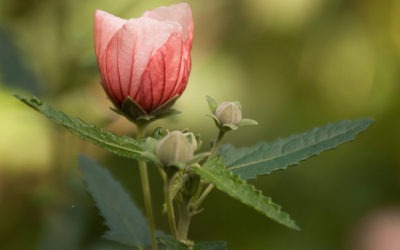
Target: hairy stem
(170, 207)
(146, 192)
(210, 187)
(184, 220)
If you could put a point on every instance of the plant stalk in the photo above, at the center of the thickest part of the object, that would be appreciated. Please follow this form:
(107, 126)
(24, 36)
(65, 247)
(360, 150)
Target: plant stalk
(210, 186)
(170, 208)
(184, 220)
(146, 192)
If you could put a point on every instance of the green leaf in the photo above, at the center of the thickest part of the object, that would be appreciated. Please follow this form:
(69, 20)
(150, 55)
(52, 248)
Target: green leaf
(171, 244)
(210, 245)
(120, 145)
(263, 158)
(215, 172)
(126, 222)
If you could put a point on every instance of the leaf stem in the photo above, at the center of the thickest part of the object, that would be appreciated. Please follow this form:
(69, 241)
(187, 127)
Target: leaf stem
(146, 191)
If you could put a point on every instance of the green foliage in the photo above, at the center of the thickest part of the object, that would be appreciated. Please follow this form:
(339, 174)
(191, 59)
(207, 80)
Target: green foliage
(215, 172)
(263, 158)
(170, 244)
(210, 245)
(126, 222)
(120, 145)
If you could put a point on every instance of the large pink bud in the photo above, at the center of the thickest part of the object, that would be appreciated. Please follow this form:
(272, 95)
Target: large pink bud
(145, 59)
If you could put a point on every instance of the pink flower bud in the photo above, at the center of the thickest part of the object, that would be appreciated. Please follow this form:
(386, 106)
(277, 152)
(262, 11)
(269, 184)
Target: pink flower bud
(145, 58)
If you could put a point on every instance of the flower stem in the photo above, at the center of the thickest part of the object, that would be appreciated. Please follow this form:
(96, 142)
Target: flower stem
(184, 220)
(146, 192)
(170, 207)
(216, 145)
(210, 186)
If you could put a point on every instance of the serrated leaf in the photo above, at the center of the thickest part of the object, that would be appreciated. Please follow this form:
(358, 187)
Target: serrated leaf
(125, 221)
(210, 245)
(120, 145)
(263, 158)
(171, 244)
(215, 172)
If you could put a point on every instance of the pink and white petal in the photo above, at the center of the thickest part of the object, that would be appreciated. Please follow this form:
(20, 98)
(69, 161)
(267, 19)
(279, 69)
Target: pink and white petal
(172, 54)
(105, 26)
(150, 36)
(180, 13)
(111, 70)
(162, 73)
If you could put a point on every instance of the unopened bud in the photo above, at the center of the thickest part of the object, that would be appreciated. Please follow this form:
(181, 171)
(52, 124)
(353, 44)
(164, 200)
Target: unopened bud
(175, 148)
(229, 113)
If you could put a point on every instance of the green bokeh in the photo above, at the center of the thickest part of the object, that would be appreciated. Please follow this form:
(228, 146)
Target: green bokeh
(292, 64)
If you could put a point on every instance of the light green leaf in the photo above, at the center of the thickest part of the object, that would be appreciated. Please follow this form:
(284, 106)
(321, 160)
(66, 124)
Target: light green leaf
(263, 158)
(126, 222)
(120, 145)
(215, 172)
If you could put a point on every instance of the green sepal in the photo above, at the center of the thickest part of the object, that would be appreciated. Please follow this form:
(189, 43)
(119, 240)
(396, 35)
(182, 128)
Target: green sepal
(212, 104)
(133, 112)
(247, 122)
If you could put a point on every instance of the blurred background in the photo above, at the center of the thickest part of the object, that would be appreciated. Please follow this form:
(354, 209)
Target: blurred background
(293, 64)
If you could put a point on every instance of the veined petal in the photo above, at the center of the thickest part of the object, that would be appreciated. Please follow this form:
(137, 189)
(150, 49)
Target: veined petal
(161, 75)
(180, 13)
(105, 26)
(129, 52)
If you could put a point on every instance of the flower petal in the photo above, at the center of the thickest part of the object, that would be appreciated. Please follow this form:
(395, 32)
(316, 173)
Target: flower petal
(129, 52)
(162, 74)
(180, 13)
(105, 26)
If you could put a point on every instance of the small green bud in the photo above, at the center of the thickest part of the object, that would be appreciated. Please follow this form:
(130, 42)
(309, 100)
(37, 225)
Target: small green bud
(175, 148)
(229, 113)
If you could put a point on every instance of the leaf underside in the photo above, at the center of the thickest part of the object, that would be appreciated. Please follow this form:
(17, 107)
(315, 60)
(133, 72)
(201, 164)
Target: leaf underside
(215, 172)
(125, 221)
(263, 158)
(120, 145)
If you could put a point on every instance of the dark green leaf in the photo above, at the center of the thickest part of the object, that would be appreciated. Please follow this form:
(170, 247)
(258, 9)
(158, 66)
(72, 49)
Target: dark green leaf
(263, 158)
(215, 172)
(210, 245)
(126, 222)
(120, 145)
(171, 244)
